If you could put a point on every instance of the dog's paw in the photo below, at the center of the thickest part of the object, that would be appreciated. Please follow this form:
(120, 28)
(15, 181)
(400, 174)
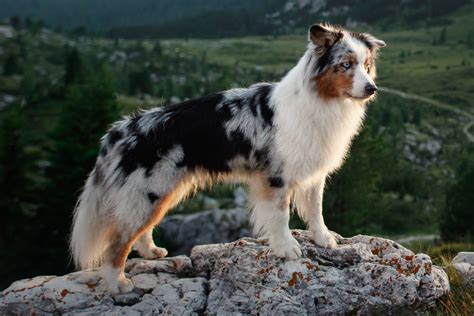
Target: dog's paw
(323, 238)
(153, 253)
(286, 248)
(123, 285)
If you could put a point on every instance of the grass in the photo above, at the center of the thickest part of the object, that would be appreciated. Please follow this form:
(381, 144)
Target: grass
(460, 300)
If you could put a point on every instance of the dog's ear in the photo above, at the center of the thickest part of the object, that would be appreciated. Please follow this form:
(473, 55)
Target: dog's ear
(323, 36)
(372, 42)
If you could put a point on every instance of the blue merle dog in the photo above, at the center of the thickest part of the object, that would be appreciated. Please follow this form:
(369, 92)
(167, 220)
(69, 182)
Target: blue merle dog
(283, 139)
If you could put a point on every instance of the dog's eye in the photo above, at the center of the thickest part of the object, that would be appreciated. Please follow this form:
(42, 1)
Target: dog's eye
(346, 65)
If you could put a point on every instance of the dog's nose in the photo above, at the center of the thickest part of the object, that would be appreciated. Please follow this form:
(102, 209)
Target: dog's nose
(370, 89)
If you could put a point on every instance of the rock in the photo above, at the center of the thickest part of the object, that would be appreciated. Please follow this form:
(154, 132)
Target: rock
(183, 232)
(464, 265)
(362, 275)
(160, 287)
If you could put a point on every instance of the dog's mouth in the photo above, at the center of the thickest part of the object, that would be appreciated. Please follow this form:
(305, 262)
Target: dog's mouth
(358, 98)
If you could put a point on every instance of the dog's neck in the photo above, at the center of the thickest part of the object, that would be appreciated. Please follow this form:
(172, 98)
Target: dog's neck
(320, 130)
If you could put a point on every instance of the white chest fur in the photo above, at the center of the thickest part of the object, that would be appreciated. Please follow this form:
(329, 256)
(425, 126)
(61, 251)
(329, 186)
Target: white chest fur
(312, 136)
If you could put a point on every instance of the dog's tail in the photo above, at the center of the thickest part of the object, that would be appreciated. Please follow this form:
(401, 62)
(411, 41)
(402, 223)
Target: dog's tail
(89, 238)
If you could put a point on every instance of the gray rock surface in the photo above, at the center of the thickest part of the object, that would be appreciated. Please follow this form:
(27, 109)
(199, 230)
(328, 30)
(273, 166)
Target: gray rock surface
(464, 264)
(364, 274)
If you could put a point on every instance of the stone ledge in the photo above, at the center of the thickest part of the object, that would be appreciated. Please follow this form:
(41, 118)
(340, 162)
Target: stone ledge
(363, 274)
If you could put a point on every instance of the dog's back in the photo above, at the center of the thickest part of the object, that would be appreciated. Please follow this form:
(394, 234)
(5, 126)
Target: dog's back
(148, 162)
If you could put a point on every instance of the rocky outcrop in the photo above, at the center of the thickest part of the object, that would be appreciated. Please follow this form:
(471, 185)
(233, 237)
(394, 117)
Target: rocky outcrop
(363, 274)
(464, 265)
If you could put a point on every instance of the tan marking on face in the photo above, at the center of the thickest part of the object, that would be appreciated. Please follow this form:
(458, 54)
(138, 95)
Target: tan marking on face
(369, 64)
(334, 84)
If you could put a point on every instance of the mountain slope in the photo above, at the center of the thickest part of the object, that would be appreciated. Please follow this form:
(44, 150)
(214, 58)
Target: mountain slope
(105, 14)
(225, 18)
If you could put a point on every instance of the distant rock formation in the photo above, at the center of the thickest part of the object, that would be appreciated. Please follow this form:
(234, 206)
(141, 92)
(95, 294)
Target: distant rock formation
(363, 274)
(182, 232)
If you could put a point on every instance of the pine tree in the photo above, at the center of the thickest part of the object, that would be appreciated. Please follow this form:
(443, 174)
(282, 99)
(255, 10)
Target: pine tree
(458, 217)
(442, 36)
(10, 66)
(88, 109)
(15, 22)
(74, 67)
(11, 171)
(140, 82)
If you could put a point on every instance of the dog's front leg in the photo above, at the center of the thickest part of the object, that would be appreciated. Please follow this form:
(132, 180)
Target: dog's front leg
(309, 204)
(271, 215)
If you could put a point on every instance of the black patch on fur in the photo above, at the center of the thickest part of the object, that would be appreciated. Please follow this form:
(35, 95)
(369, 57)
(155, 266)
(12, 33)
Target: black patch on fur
(132, 126)
(276, 182)
(363, 38)
(142, 153)
(265, 110)
(253, 103)
(260, 103)
(113, 137)
(225, 111)
(198, 128)
(152, 197)
(325, 60)
(262, 158)
(244, 146)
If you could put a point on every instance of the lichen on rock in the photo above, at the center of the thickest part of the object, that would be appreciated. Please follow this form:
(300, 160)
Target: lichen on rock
(363, 274)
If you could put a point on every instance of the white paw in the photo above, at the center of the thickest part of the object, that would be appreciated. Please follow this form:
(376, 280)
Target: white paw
(286, 247)
(323, 238)
(153, 253)
(122, 285)
(125, 285)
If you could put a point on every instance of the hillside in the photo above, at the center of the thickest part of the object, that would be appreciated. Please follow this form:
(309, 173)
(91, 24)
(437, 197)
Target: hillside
(226, 18)
(103, 15)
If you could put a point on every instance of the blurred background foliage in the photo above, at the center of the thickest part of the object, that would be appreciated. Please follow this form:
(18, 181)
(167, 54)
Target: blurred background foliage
(70, 68)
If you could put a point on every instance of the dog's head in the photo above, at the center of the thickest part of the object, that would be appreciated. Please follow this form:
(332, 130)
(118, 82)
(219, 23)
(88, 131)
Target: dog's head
(345, 62)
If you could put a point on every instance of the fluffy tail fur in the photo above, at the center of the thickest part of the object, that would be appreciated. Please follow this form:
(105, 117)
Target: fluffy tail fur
(89, 238)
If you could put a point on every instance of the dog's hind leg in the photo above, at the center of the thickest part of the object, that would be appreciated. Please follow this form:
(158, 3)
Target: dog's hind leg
(146, 247)
(309, 205)
(124, 236)
(130, 228)
(270, 216)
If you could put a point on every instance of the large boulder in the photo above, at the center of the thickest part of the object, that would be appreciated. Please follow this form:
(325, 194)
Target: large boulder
(363, 274)
(182, 232)
(464, 264)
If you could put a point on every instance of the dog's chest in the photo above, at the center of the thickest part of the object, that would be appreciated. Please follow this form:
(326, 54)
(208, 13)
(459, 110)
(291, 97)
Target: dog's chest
(317, 141)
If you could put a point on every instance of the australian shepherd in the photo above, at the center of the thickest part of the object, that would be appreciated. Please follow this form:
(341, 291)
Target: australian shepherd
(283, 139)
